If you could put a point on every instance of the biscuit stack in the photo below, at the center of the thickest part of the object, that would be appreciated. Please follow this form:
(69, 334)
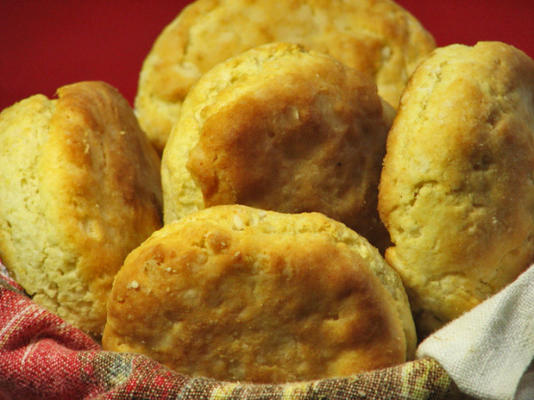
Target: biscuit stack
(377, 38)
(299, 144)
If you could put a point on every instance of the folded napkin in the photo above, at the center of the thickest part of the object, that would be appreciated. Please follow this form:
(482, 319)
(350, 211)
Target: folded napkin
(42, 357)
(488, 351)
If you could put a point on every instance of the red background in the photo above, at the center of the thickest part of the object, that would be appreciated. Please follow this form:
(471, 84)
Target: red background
(49, 43)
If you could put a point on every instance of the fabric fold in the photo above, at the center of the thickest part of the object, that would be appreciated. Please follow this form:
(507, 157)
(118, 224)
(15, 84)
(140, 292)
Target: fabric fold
(488, 350)
(42, 357)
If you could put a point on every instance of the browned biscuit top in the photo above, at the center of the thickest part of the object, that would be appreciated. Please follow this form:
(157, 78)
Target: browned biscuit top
(280, 128)
(237, 293)
(103, 172)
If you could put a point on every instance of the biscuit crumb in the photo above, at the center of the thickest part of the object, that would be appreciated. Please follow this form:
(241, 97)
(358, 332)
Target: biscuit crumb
(238, 223)
(133, 285)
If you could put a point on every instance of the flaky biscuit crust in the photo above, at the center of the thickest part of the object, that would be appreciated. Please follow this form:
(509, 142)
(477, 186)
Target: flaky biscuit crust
(457, 190)
(237, 293)
(377, 37)
(80, 189)
(280, 128)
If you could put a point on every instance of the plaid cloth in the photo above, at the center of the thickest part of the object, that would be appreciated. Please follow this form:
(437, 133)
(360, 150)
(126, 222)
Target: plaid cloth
(42, 357)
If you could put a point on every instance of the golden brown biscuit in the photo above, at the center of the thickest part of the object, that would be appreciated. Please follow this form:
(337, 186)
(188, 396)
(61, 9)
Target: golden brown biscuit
(457, 188)
(377, 37)
(79, 189)
(238, 293)
(284, 129)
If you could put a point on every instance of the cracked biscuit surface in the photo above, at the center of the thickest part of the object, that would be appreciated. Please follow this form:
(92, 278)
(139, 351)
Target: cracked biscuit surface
(457, 187)
(79, 189)
(377, 37)
(237, 293)
(280, 128)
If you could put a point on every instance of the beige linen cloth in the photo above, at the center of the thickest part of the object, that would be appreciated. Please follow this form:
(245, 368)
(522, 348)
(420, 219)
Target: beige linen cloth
(488, 351)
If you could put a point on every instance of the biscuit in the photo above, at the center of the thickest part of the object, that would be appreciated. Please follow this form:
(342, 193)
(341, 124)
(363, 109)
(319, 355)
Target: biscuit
(237, 293)
(79, 189)
(377, 37)
(284, 129)
(457, 187)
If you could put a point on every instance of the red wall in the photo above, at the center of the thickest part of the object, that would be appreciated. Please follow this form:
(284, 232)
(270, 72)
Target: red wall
(48, 43)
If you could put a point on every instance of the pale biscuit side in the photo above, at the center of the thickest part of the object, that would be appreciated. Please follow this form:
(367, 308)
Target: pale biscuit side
(456, 191)
(26, 235)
